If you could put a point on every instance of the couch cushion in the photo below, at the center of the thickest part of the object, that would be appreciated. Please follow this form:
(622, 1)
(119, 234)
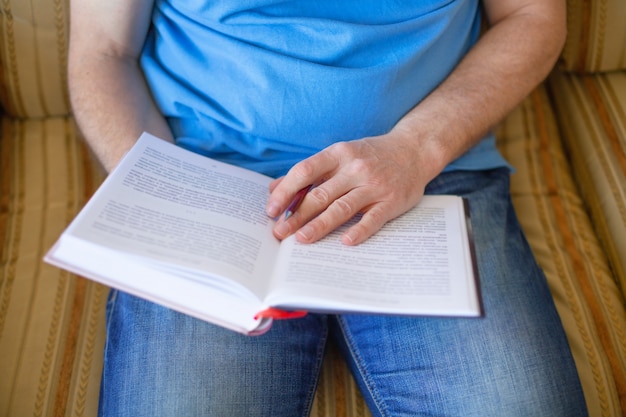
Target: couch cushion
(33, 55)
(563, 240)
(592, 116)
(596, 35)
(51, 327)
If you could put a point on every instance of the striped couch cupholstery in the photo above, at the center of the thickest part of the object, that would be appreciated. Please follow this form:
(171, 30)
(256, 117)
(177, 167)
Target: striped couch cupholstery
(567, 142)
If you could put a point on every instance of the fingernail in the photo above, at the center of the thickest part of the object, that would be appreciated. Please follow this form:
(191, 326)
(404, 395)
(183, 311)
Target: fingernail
(282, 229)
(305, 232)
(350, 237)
(273, 210)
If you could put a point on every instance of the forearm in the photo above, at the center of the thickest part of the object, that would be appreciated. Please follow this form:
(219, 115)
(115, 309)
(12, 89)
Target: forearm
(503, 67)
(112, 105)
(110, 99)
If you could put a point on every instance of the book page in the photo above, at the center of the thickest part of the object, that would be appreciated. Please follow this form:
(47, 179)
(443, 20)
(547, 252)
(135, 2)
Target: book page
(187, 296)
(170, 205)
(419, 262)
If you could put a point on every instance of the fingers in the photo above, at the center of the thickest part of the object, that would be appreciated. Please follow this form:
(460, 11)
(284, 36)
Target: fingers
(309, 171)
(326, 212)
(349, 178)
(275, 183)
(371, 222)
(323, 209)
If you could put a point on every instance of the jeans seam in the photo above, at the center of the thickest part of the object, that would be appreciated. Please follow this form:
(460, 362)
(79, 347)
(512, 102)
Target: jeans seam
(111, 304)
(357, 359)
(319, 360)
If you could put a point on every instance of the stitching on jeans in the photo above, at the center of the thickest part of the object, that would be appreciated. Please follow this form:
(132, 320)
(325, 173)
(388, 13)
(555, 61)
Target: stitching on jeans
(110, 307)
(320, 355)
(358, 360)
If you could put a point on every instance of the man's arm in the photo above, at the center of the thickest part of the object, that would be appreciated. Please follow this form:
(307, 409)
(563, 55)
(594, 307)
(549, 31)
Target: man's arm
(513, 57)
(110, 98)
(385, 176)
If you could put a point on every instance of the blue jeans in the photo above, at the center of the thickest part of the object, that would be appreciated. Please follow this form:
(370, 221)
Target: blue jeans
(515, 361)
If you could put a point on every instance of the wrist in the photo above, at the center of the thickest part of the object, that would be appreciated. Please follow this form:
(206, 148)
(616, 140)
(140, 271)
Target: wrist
(424, 149)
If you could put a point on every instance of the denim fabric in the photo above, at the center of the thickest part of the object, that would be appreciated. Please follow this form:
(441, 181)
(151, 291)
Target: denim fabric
(515, 361)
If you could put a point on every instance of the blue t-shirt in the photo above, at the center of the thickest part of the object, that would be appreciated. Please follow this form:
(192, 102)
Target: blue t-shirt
(265, 83)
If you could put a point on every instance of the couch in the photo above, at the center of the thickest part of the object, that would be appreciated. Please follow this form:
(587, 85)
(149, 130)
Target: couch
(567, 142)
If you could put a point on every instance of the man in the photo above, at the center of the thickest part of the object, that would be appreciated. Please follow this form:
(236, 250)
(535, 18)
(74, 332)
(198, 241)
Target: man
(375, 102)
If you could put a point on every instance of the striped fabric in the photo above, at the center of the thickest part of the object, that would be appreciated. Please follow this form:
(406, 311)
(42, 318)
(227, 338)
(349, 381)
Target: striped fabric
(596, 37)
(337, 393)
(564, 242)
(592, 115)
(51, 322)
(33, 53)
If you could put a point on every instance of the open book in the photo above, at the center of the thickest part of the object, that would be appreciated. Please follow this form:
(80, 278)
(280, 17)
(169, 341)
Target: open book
(191, 233)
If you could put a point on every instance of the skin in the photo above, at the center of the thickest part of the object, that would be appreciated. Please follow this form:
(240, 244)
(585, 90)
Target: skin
(381, 177)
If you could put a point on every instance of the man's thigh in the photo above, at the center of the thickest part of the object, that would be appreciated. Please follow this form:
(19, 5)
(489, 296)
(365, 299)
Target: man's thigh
(514, 361)
(159, 362)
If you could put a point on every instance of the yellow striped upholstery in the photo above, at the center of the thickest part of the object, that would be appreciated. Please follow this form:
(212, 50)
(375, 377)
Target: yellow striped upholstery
(565, 244)
(33, 51)
(596, 37)
(52, 323)
(592, 111)
(337, 394)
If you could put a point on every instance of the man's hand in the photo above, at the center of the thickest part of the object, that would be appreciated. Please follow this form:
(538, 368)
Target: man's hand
(375, 176)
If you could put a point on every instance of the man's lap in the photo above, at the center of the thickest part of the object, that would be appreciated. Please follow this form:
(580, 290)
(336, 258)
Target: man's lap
(513, 361)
